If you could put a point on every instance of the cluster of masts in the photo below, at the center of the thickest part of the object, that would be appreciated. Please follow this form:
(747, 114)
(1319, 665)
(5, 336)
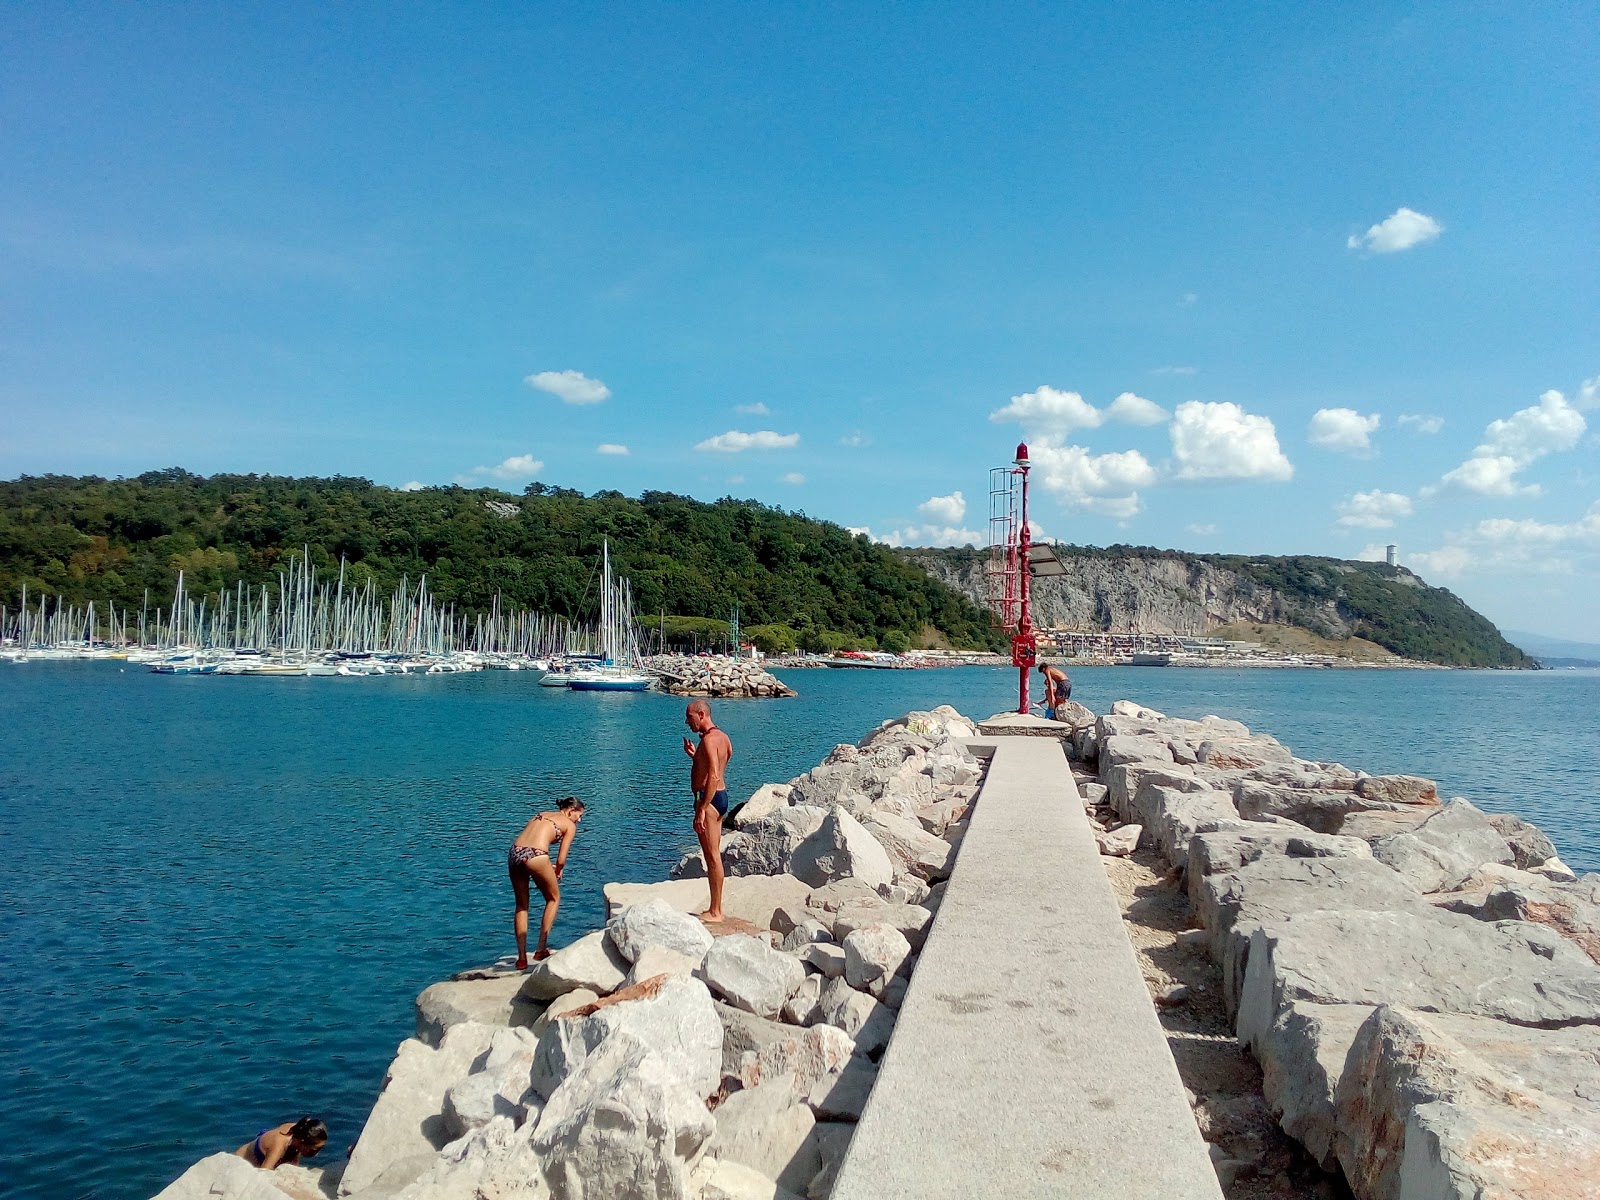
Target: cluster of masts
(304, 616)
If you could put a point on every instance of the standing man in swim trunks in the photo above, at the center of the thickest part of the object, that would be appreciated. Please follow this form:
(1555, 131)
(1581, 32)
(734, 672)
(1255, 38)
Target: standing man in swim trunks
(708, 781)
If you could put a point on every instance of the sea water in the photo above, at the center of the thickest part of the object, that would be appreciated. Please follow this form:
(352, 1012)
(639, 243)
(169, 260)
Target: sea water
(221, 894)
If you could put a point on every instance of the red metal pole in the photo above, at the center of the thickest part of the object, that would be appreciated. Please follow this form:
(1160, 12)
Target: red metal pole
(1025, 624)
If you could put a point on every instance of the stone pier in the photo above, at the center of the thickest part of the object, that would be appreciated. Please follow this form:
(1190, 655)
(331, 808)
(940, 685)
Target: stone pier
(1028, 1060)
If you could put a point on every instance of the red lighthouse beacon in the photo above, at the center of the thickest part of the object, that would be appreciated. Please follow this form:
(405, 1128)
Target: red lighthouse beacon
(1009, 568)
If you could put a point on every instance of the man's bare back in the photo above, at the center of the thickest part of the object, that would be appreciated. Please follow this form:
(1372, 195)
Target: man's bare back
(708, 781)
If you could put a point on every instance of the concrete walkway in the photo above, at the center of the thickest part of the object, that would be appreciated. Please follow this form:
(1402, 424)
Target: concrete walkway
(1028, 1060)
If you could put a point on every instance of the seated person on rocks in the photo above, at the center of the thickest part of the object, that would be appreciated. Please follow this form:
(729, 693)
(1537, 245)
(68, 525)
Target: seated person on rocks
(1057, 689)
(288, 1143)
(530, 859)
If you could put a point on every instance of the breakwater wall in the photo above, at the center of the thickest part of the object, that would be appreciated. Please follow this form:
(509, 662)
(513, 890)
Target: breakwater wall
(924, 988)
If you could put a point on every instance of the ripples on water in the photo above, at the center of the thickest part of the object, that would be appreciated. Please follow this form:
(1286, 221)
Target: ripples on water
(221, 895)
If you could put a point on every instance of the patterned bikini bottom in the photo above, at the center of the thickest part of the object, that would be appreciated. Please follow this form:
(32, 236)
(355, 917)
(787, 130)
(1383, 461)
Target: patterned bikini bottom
(522, 855)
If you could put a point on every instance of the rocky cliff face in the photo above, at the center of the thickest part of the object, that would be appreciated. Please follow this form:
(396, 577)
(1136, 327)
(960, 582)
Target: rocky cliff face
(1149, 595)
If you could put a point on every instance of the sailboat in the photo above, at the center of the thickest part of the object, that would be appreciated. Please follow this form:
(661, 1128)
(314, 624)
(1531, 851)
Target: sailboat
(619, 644)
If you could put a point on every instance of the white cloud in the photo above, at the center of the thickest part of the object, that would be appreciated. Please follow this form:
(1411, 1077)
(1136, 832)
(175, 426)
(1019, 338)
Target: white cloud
(1176, 371)
(1136, 410)
(615, 448)
(1516, 442)
(757, 409)
(1200, 530)
(735, 479)
(416, 485)
(853, 439)
(1401, 230)
(1373, 510)
(1588, 395)
(859, 531)
(1047, 412)
(569, 387)
(794, 477)
(1189, 299)
(1103, 483)
(1373, 552)
(1421, 423)
(1053, 414)
(1503, 545)
(949, 509)
(735, 442)
(932, 535)
(1217, 443)
(1343, 430)
(517, 467)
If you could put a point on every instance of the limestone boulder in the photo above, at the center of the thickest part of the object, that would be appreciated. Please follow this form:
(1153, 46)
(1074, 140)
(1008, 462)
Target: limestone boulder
(824, 958)
(765, 800)
(841, 1095)
(766, 846)
(873, 956)
(1123, 783)
(744, 1033)
(1433, 960)
(912, 921)
(592, 962)
(561, 1006)
(749, 973)
(674, 1019)
(1398, 789)
(802, 1058)
(498, 1084)
(866, 1020)
(911, 848)
(658, 960)
(801, 1008)
(623, 1126)
(1173, 816)
(490, 997)
(836, 895)
(221, 1177)
(1320, 811)
(729, 1180)
(1529, 845)
(1571, 909)
(1445, 850)
(407, 1121)
(657, 923)
(1302, 1057)
(1119, 842)
(767, 1130)
(803, 933)
(751, 898)
(495, 1160)
(907, 889)
(841, 848)
(1425, 1112)
(1123, 749)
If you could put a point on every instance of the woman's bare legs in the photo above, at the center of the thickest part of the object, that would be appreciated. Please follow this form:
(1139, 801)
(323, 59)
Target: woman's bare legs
(519, 923)
(544, 874)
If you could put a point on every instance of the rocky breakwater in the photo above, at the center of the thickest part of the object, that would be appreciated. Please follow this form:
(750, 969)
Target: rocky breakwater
(1419, 980)
(660, 1058)
(717, 676)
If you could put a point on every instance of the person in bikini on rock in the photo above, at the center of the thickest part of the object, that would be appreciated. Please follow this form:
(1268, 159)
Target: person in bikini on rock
(707, 779)
(286, 1143)
(1057, 689)
(530, 859)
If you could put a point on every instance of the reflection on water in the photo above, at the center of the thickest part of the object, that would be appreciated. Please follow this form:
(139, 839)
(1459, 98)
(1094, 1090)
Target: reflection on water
(222, 894)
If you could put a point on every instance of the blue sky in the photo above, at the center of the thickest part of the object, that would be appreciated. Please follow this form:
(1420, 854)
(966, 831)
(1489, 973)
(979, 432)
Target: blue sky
(478, 244)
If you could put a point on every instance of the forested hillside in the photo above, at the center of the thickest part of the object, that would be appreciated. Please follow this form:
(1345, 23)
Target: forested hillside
(802, 581)
(1141, 589)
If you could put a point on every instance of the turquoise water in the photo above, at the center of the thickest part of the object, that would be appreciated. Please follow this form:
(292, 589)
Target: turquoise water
(221, 895)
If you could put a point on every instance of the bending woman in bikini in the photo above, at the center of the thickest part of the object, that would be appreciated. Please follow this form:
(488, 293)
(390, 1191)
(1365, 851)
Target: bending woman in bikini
(530, 858)
(287, 1143)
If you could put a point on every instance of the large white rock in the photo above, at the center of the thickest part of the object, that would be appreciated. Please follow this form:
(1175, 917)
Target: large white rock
(657, 923)
(801, 1008)
(1444, 851)
(592, 962)
(407, 1122)
(858, 1014)
(911, 847)
(658, 960)
(678, 1024)
(489, 997)
(222, 1177)
(497, 1087)
(493, 1162)
(841, 1095)
(841, 848)
(622, 1127)
(912, 920)
(765, 800)
(743, 1033)
(731, 1180)
(766, 1129)
(873, 956)
(750, 898)
(803, 1058)
(748, 973)
(1425, 1113)
(562, 1005)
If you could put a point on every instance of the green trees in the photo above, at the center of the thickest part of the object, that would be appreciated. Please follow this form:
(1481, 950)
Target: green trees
(793, 577)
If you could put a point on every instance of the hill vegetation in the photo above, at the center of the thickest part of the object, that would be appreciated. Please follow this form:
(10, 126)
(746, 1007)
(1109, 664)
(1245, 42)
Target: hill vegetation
(1141, 587)
(797, 582)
